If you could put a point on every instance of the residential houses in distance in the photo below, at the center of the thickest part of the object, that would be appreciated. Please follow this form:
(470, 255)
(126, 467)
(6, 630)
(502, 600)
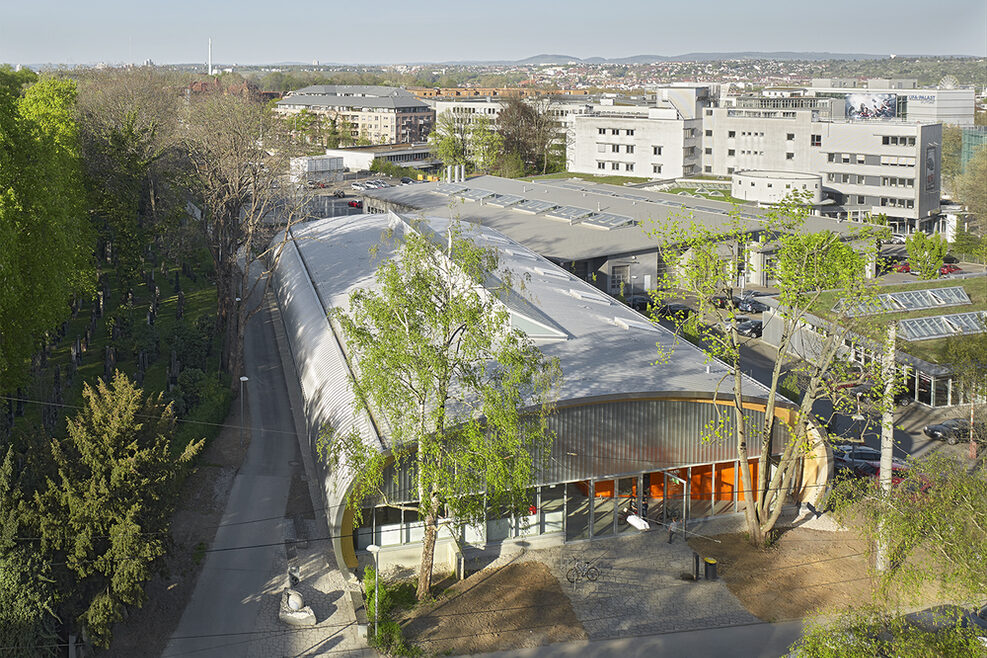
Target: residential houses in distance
(380, 115)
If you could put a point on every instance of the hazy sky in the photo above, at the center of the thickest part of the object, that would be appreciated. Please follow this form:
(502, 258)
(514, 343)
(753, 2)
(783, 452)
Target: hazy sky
(392, 31)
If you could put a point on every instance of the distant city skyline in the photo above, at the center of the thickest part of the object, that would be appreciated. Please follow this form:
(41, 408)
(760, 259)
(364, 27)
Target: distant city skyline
(251, 32)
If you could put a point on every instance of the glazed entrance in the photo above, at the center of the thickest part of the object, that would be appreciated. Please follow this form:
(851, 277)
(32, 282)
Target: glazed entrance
(600, 508)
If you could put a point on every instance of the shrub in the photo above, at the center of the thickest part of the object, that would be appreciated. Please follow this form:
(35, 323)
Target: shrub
(191, 344)
(204, 420)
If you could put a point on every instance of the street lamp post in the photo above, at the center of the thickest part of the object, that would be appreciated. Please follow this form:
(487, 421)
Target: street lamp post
(243, 380)
(375, 549)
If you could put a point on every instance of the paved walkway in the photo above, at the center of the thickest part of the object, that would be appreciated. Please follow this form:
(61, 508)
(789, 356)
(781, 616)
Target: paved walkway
(233, 610)
(640, 590)
(750, 641)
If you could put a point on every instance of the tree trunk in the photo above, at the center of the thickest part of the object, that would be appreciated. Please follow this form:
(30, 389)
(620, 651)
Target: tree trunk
(428, 552)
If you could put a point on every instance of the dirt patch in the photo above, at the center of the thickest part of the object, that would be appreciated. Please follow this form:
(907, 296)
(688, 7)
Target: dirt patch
(511, 607)
(199, 511)
(803, 571)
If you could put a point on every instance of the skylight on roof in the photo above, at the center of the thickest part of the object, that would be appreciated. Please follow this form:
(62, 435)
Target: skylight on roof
(943, 326)
(909, 300)
(533, 206)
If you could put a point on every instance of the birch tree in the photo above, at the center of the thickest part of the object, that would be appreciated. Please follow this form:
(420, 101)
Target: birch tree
(705, 264)
(464, 398)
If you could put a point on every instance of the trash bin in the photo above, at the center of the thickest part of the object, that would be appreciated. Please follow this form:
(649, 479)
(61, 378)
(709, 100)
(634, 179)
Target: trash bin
(710, 568)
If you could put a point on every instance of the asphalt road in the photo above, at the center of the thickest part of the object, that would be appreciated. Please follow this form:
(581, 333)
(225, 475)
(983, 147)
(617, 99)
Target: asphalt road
(226, 599)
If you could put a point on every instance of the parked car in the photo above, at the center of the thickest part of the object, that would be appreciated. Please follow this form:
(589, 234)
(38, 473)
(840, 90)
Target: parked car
(903, 268)
(750, 328)
(674, 311)
(860, 460)
(726, 324)
(638, 302)
(751, 305)
(949, 269)
(950, 259)
(339, 194)
(406, 180)
(896, 238)
(722, 301)
(355, 204)
(358, 186)
(953, 430)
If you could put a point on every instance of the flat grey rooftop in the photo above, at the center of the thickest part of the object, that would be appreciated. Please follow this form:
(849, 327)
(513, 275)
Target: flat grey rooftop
(604, 220)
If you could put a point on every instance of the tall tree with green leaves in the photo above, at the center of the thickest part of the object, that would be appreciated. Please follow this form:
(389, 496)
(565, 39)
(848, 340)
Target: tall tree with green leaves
(464, 397)
(925, 253)
(45, 241)
(952, 146)
(106, 512)
(485, 144)
(966, 357)
(705, 265)
(971, 191)
(27, 595)
(451, 139)
(127, 128)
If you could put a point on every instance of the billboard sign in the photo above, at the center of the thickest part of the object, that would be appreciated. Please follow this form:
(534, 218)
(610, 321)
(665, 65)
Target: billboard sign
(871, 106)
(931, 175)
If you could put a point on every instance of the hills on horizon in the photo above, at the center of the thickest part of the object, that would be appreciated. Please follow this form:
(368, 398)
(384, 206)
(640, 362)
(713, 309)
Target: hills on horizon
(558, 59)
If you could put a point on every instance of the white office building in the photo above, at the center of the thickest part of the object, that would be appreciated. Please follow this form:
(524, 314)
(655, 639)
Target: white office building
(867, 167)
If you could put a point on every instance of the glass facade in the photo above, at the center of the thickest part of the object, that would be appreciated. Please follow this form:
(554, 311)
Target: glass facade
(583, 510)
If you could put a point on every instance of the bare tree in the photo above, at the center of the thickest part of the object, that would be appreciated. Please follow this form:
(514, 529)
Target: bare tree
(237, 159)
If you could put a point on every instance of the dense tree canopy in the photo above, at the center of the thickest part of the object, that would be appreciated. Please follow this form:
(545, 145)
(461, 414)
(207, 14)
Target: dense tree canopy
(45, 241)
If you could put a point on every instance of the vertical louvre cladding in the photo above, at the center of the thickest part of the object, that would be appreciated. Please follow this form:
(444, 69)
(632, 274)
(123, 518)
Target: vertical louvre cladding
(613, 438)
(607, 439)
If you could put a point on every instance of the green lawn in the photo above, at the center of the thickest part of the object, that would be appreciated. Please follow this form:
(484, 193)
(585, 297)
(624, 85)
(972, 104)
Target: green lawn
(200, 299)
(612, 180)
(927, 350)
(724, 195)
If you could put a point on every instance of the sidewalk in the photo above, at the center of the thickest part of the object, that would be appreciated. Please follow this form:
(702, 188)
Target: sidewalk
(758, 640)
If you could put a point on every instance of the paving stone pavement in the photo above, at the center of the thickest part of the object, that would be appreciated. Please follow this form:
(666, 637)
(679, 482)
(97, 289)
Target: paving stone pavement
(323, 588)
(640, 589)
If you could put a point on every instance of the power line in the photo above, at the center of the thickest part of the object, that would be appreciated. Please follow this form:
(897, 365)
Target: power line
(147, 416)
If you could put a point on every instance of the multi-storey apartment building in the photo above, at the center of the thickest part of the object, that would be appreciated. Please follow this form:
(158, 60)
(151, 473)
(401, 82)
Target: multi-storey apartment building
(868, 167)
(381, 115)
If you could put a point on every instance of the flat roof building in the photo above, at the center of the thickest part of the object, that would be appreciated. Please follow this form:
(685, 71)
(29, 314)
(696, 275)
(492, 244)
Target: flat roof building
(868, 167)
(597, 231)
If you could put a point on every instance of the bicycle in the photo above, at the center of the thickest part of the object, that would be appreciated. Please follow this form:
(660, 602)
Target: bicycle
(582, 570)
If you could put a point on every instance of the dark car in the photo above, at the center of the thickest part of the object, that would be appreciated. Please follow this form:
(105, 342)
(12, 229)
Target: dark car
(355, 204)
(406, 180)
(950, 259)
(750, 328)
(751, 305)
(674, 311)
(339, 194)
(954, 429)
(722, 301)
